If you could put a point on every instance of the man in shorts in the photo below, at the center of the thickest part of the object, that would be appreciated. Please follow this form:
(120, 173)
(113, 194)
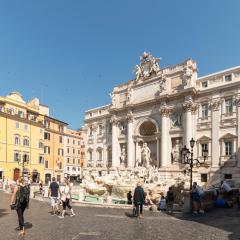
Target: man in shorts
(54, 193)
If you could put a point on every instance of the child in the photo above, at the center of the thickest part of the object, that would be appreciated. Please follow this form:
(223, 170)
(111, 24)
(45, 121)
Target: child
(162, 204)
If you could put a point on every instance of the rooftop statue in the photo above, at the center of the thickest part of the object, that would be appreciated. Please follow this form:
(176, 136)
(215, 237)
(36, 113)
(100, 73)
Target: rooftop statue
(148, 66)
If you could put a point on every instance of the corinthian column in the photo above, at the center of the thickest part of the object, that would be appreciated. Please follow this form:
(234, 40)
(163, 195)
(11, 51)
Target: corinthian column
(164, 111)
(189, 107)
(130, 143)
(115, 159)
(215, 132)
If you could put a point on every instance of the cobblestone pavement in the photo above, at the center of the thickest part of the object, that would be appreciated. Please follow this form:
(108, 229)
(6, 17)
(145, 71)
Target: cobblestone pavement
(104, 223)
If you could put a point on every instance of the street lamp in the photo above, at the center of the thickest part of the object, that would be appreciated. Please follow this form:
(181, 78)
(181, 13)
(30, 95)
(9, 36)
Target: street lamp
(187, 157)
(25, 160)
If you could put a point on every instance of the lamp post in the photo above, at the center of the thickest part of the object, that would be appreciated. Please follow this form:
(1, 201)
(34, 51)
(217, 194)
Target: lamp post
(188, 159)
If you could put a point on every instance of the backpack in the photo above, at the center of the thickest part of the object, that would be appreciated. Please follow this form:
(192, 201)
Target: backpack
(23, 197)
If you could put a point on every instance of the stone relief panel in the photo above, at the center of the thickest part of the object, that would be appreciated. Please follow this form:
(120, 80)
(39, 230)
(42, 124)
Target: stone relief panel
(123, 128)
(176, 119)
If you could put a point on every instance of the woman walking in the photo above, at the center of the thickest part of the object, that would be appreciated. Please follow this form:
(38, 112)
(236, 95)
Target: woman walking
(66, 197)
(20, 201)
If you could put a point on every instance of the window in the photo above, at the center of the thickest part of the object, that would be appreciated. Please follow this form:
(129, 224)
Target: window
(73, 169)
(228, 148)
(204, 177)
(78, 142)
(60, 165)
(73, 160)
(228, 106)
(17, 140)
(17, 156)
(60, 128)
(46, 150)
(60, 139)
(46, 164)
(228, 78)
(47, 136)
(68, 168)
(25, 127)
(73, 151)
(78, 169)
(204, 110)
(46, 124)
(41, 160)
(60, 152)
(100, 155)
(68, 160)
(17, 124)
(68, 140)
(204, 147)
(90, 114)
(25, 157)
(227, 176)
(204, 84)
(100, 129)
(25, 141)
(40, 144)
(90, 156)
(73, 141)
(40, 131)
(78, 161)
(67, 150)
(78, 151)
(90, 131)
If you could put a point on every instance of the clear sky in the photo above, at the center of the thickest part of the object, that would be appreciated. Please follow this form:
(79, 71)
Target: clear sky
(71, 53)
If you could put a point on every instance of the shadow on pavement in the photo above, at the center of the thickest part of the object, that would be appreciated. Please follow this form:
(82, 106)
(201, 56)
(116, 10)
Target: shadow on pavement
(3, 212)
(27, 225)
(227, 219)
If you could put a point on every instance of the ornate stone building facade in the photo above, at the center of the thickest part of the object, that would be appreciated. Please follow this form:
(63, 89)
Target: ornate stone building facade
(154, 115)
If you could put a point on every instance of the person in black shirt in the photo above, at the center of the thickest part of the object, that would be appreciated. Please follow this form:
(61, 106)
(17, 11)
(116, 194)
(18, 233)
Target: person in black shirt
(139, 199)
(129, 197)
(54, 193)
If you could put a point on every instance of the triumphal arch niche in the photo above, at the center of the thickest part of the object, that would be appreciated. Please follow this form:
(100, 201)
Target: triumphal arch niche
(146, 143)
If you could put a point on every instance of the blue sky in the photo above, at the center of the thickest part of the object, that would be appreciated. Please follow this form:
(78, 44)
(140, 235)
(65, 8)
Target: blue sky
(71, 53)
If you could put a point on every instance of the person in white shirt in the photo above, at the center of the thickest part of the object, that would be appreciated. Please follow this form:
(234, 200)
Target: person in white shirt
(66, 197)
(227, 189)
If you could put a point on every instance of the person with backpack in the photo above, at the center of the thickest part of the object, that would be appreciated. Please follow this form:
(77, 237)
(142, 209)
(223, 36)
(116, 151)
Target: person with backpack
(54, 193)
(139, 199)
(20, 201)
(170, 200)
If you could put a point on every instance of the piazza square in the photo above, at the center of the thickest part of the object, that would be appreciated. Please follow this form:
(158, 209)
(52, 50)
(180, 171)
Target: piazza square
(119, 120)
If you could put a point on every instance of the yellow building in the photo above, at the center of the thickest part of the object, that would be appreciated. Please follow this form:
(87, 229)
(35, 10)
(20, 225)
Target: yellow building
(54, 148)
(21, 137)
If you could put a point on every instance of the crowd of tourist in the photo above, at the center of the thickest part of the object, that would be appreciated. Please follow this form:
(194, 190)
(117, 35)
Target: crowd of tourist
(60, 200)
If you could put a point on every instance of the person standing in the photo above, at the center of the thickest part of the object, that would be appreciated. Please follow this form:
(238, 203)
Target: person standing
(54, 193)
(129, 197)
(228, 190)
(199, 197)
(20, 201)
(170, 200)
(139, 199)
(66, 197)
